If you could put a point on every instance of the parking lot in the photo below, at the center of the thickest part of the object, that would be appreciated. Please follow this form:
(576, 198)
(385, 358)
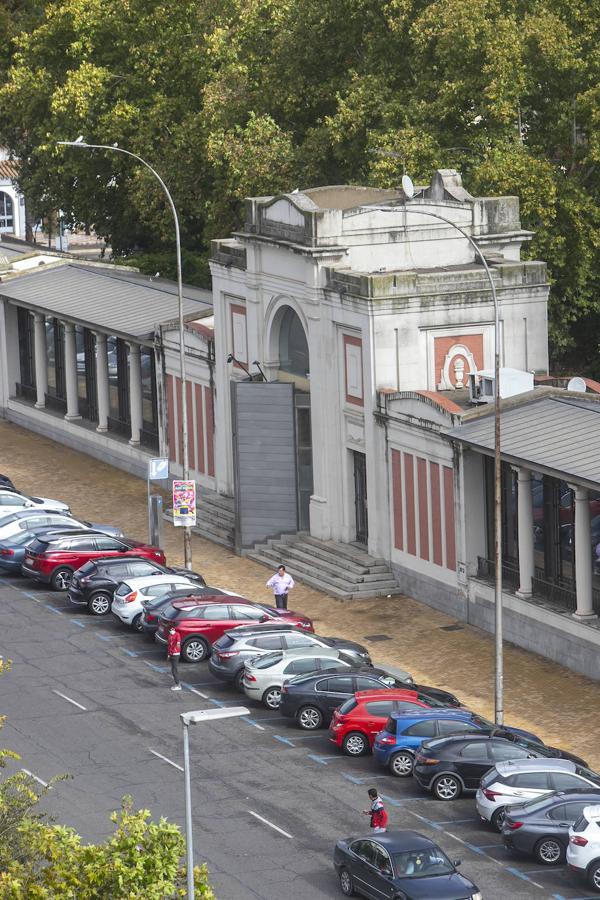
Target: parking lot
(89, 698)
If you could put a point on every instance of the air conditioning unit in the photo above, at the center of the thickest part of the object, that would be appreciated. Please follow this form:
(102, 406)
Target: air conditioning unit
(512, 382)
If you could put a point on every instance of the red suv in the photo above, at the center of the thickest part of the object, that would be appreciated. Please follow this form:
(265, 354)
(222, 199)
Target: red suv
(53, 558)
(356, 722)
(200, 621)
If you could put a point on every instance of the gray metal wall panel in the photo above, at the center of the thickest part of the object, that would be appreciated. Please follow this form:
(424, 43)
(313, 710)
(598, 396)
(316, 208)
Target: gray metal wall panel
(264, 443)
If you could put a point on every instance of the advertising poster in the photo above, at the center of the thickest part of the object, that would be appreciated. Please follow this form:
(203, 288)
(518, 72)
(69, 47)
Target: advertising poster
(184, 503)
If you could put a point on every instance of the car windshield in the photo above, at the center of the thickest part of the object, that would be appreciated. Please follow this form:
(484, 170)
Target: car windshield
(22, 538)
(430, 701)
(266, 661)
(422, 863)
(483, 723)
(538, 749)
(223, 642)
(536, 804)
(587, 773)
(348, 706)
(123, 589)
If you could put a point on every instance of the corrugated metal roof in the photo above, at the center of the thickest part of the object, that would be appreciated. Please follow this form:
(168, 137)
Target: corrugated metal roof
(115, 300)
(556, 435)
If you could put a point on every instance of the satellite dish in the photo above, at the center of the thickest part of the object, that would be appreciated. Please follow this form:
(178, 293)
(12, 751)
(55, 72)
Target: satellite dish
(408, 187)
(577, 384)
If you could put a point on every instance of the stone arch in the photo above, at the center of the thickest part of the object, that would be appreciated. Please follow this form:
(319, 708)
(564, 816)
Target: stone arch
(286, 323)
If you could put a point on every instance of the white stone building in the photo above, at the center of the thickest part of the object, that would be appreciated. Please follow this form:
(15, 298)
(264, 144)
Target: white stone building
(12, 201)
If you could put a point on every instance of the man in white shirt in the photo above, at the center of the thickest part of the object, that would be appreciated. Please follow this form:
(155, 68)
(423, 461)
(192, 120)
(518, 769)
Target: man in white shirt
(281, 583)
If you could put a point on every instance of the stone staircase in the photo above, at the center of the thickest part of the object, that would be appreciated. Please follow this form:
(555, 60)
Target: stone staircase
(345, 571)
(215, 517)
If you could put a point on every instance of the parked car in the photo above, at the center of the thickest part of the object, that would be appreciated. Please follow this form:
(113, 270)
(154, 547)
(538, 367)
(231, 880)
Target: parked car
(152, 609)
(583, 852)
(11, 500)
(5, 482)
(95, 582)
(53, 558)
(236, 647)
(515, 781)
(200, 622)
(13, 549)
(14, 523)
(396, 745)
(127, 600)
(355, 724)
(540, 827)
(451, 766)
(265, 675)
(399, 864)
(312, 699)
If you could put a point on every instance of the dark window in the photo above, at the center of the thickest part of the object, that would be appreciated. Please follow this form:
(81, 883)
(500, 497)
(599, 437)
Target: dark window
(302, 666)
(574, 810)
(474, 751)
(348, 706)
(380, 708)
(558, 813)
(26, 357)
(406, 706)
(74, 543)
(148, 390)
(366, 684)
(12, 500)
(562, 781)
(342, 685)
(451, 726)
(293, 347)
(213, 613)
(533, 780)
(391, 725)
(6, 212)
(157, 590)
(363, 849)
(294, 641)
(104, 542)
(501, 751)
(422, 729)
(268, 642)
(381, 860)
(247, 613)
(139, 569)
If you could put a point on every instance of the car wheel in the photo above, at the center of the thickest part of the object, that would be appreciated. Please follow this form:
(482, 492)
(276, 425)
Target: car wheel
(137, 623)
(239, 680)
(355, 744)
(195, 650)
(497, 819)
(272, 697)
(99, 604)
(346, 883)
(402, 764)
(310, 718)
(447, 787)
(61, 579)
(549, 852)
(594, 875)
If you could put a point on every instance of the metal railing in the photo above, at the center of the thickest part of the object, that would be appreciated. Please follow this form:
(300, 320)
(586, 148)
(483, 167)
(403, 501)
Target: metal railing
(561, 593)
(118, 427)
(486, 569)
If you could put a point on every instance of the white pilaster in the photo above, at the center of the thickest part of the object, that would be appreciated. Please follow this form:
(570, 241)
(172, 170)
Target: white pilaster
(135, 393)
(71, 372)
(41, 362)
(526, 542)
(583, 555)
(102, 386)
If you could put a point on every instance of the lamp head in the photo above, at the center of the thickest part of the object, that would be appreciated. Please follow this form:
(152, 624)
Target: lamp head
(78, 142)
(230, 358)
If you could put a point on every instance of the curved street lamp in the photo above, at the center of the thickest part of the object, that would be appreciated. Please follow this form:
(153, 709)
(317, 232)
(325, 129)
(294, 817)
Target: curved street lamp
(187, 532)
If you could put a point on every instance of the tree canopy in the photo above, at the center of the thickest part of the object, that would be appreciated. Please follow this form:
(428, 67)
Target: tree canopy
(229, 98)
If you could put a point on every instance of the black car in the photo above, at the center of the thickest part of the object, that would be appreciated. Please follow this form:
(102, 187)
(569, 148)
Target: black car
(311, 699)
(237, 646)
(157, 606)
(401, 865)
(540, 827)
(94, 584)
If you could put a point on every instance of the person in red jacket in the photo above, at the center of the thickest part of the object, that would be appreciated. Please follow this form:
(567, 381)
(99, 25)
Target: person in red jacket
(173, 653)
(377, 812)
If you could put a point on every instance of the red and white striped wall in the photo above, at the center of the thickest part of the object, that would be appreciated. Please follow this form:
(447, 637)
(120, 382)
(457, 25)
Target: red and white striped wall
(200, 414)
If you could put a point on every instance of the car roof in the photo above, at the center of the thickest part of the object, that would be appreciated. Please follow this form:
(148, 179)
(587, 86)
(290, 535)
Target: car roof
(75, 532)
(387, 694)
(398, 841)
(533, 765)
(293, 653)
(461, 715)
(242, 631)
(144, 580)
(207, 600)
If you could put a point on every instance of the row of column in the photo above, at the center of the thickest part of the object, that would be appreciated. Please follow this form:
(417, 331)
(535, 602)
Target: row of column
(583, 544)
(102, 380)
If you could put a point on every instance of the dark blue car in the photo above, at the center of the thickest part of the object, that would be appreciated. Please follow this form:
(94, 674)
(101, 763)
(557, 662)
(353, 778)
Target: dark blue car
(399, 864)
(404, 733)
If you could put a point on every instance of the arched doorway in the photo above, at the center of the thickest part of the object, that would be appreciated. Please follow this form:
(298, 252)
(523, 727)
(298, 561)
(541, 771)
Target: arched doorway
(7, 219)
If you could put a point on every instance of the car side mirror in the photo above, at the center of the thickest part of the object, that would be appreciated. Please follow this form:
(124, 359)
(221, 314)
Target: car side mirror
(264, 619)
(456, 863)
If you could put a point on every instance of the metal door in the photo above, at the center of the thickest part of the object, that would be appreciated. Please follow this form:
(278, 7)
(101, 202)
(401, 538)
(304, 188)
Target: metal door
(303, 458)
(360, 497)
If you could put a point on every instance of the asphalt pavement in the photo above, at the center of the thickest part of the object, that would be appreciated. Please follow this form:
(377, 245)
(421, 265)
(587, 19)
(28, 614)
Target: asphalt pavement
(91, 699)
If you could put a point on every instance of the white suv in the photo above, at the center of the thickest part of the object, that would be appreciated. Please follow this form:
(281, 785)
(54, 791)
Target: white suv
(128, 597)
(265, 675)
(516, 781)
(583, 852)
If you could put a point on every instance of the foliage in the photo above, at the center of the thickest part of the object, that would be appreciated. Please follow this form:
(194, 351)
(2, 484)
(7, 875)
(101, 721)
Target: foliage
(229, 98)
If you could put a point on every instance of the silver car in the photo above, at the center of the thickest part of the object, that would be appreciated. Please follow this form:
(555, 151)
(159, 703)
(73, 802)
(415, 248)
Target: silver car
(265, 675)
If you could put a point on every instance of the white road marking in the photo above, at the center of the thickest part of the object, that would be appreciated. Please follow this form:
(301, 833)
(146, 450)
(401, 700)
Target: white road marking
(39, 780)
(69, 700)
(194, 691)
(271, 825)
(166, 759)
(253, 723)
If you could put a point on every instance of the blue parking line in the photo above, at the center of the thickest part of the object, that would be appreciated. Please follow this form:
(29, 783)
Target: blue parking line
(77, 622)
(518, 873)
(54, 609)
(155, 667)
(104, 637)
(490, 846)
(456, 821)
(391, 800)
(217, 702)
(252, 722)
(28, 594)
(474, 848)
(128, 652)
(353, 779)
(322, 760)
(283, 740)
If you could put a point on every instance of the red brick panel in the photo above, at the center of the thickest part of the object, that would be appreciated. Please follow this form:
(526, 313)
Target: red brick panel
(190, 424)
(210, 431)
(171, 419)
(449, 518)
(409, 481)
(397, 500)
(441, 345)
(199, 428)
(179, 442)
(355, 342)
(423, 509)
(436, 514)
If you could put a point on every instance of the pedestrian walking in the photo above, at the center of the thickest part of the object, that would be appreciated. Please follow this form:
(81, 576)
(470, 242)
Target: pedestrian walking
(282, 584)
(377, 812)
(173, 652)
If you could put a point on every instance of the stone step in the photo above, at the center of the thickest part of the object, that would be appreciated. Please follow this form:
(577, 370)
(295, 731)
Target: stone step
(217, 531)
(215, 501)
(299, 554)
(303, 551)
(214, 514)
(347, 551)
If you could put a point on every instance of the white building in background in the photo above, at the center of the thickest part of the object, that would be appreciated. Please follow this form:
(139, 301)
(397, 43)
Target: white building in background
(12, 201)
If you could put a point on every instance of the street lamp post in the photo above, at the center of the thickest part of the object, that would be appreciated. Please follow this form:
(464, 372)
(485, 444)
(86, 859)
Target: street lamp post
(187, 532)
(498, 632)
(197, 717)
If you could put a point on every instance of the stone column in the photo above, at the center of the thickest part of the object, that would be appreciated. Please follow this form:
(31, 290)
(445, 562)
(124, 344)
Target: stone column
(71, 372)
(41, 362)
(102, 384)
(135, 393)
(583, 556)
(526, 536)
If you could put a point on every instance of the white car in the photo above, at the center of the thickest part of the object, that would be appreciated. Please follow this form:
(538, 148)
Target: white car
(10, 501)
(16, 523)
(128, 597)
(519, 780)
(264, 675)
(583, 852)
